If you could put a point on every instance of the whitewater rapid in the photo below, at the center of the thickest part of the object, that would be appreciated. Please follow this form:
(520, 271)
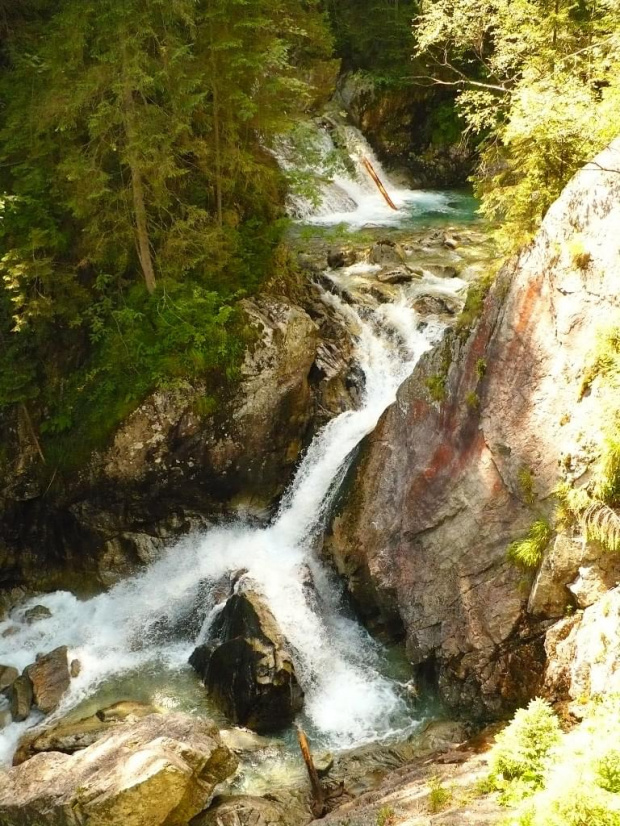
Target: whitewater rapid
(152, 620)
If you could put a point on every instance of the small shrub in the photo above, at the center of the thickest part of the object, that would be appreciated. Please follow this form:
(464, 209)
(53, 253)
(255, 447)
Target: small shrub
(570, 806)
(521, 750)
(526, 484)
(438, 796)
(385, 816)
(607, 771)
(481, 368)
(436, 386)
(472, 400)
(580, 257)
(528, 552)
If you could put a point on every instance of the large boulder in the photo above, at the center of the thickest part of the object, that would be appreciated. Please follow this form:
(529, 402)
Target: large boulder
(160, 770)
(247, 667)
(386, 252)
(50, 679)
(443, 485)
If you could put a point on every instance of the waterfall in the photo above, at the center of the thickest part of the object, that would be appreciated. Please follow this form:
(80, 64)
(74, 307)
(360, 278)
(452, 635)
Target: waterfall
(350, 195)
(150, 621)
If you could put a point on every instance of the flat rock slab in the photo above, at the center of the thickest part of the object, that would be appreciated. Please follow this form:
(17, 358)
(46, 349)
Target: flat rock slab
(69, 735)
(242, 810)
(162, 769)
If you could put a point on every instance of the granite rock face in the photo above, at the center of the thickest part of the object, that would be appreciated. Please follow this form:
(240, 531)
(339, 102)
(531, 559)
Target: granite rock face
(573, 572)
(442, 487)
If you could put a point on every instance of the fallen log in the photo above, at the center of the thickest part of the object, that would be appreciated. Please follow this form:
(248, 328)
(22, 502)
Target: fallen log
(371, 171)
(319, 809)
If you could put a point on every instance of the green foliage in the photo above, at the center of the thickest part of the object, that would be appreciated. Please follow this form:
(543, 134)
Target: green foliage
(438, 795)
(604, 360)
(436, 386)
(538, 82)
(525, 478)
(474, 304)
(579, 254)
(385, 816)
(607, 770)
(134, 152)
(472, 400)
(528, 552)
(481, 368)
(375, 35)
(580, 780)
(521, 752)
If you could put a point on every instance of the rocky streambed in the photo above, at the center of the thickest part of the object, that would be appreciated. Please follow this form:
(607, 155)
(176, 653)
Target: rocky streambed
(272, 634)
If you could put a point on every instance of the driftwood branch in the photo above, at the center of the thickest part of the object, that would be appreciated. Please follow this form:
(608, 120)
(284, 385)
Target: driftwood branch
(319, 809)
(371, 171)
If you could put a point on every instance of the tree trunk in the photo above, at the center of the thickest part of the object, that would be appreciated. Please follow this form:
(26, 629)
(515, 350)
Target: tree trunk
(216, 130)
(137, 185)
(318, 795)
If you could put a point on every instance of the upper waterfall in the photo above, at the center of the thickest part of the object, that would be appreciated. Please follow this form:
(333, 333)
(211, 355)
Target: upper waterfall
(347, 192)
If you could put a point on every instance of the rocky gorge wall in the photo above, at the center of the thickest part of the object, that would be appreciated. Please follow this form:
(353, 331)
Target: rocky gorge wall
(443, 486)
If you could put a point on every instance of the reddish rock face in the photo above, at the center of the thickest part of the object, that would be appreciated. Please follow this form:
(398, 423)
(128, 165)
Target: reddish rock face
(441, 489)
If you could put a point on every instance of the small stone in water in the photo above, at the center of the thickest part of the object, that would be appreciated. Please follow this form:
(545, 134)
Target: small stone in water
(39, 612)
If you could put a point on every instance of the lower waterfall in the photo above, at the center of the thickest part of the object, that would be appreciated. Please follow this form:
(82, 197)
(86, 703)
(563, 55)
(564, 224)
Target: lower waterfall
(153, 620)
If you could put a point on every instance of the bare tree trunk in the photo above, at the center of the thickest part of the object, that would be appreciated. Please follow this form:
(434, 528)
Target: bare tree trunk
(218, 155)
(318, 795)
(216, 130)
(137, 186)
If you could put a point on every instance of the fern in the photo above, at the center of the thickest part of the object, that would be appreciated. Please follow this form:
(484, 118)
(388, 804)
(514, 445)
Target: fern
(602, 524)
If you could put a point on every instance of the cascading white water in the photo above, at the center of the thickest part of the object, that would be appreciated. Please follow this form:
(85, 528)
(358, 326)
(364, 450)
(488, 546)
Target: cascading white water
(140, 621)
(352, 197)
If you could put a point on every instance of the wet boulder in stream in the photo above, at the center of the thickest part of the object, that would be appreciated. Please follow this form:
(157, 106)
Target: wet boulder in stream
(50, 678)
(247, 667)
